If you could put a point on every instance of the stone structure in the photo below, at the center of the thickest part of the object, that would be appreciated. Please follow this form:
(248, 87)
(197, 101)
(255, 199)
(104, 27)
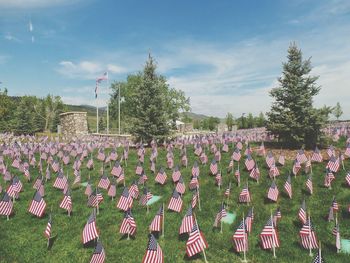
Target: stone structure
(73, 123)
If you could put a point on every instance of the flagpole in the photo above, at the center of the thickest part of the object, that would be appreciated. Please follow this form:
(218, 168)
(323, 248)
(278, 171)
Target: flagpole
(310, 251)
(96, 112)
(244, 241)
(163, 221)
(107, 107)
(205, 256)
(337, 234)
(273, 237)
(119, 109)
(221, 218)
(199, 199)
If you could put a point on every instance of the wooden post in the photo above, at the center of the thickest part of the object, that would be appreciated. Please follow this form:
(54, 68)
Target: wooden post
(273, 239)
(199, 200)
(244, 242)
(205, 256)
(310, 250)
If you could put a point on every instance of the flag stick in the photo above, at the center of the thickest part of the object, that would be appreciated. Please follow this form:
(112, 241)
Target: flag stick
(239, 177)
(273, 239)
(310, 251)
(205, 256)
(163, 218)
(228, 196)
(336, 223)
(244, 241)
(98, 209)
(199, 200)
(310, 164)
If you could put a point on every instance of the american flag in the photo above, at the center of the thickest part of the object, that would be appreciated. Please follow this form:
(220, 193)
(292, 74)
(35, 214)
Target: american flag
(301, 157)
(255, 172)
(296, 167)
(99, 255)
(48, 173)
(180, 186)
(90, 231)
(239, 145)
(95, 198)
(128, 226)
(125, 201)
(38, 205)
(330, 214)
(336, 233)
(156, 223)
(117, 169)
(249, 162)
(104, 182)
(90, 164)
(153, 253)
(217, 156)
(60, 181)
(335, 205)
(302, 213)
(333, 164)
(47, 231)
(195, 196)
(240, 238)
(153, 167)
(198, 150)
(187, 222)
(147, 195)
(236, 155)
(316, 156)
(270, 160)
(225, 147)
(134, 190)
(194, 183)
(328, 178)
(170, 162)
(15, 187)
(213, 167)
(228, 190)
(112, 190)
(347, 150)
(66, 202)
(220, 215)
(318, 258)
(277, 216)
(347, 178)
(101, 155)
(203, 158)
(288, 186)
(261, 150)
(244, 196)
(218, 179)
(309, 184)
(273, 192)
(143, 178)
(175, 203)
(195, 169)
(55, 166)
(184, 160)
(77, 177)
(176, 174)
(274, 171)
(139, 169)
(308, 236)
(88, 189)
(330, 151)
(281, 159)
(196, 242)
(269, 236)
(248, 150)
(161, 176)
(6, 205)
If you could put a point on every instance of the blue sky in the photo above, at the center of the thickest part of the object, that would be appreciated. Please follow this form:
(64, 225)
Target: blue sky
(226, 55)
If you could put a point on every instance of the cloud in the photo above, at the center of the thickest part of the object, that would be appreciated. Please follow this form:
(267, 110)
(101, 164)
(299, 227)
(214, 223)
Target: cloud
(10, 37)
(32, 4)
(86, 69)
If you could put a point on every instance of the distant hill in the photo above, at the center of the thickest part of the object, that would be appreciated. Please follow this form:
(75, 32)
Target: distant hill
(195, 116)
(91, 110)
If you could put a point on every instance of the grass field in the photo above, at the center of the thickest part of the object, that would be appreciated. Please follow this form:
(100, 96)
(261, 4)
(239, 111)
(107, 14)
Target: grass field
(22, 240)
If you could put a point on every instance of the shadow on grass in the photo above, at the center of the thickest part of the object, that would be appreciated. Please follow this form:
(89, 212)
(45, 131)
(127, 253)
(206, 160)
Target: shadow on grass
(125, 237)
(51, 242)
(183, 237)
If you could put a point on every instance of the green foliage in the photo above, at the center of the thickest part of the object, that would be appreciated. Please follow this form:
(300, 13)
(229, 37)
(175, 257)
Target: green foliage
(292, 116)
(7, 108)
(101, 124)
(337, 111)
(229, 121)
(148, 106)
(250, 121)
(22, 237)
(209, 123)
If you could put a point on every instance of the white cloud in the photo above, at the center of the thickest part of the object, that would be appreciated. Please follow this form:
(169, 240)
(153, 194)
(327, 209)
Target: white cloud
(86, 69)
(10, 37)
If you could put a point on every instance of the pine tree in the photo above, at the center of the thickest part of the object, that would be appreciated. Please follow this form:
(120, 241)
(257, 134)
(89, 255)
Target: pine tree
(292, 117)
(229, 121)
(151, 113)
(337, 111)
(24, 116)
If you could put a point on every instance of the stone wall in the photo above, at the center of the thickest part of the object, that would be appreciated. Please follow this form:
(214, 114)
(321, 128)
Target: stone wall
(73, 123)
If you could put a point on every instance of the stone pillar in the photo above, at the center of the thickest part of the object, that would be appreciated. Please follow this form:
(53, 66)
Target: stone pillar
(73, 123)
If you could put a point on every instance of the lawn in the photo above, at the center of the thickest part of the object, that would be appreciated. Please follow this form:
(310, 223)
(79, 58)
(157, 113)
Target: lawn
(22, 240)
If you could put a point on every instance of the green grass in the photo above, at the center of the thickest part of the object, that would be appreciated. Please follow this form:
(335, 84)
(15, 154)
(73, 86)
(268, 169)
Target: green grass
(22, 240)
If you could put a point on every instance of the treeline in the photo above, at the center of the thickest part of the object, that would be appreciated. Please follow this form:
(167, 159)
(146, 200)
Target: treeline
(29, 114)
(211, 123)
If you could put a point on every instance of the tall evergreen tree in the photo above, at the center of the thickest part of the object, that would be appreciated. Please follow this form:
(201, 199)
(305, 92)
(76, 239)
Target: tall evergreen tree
(337, 111)
(150, 113)
(229, 121)
(292, 117)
